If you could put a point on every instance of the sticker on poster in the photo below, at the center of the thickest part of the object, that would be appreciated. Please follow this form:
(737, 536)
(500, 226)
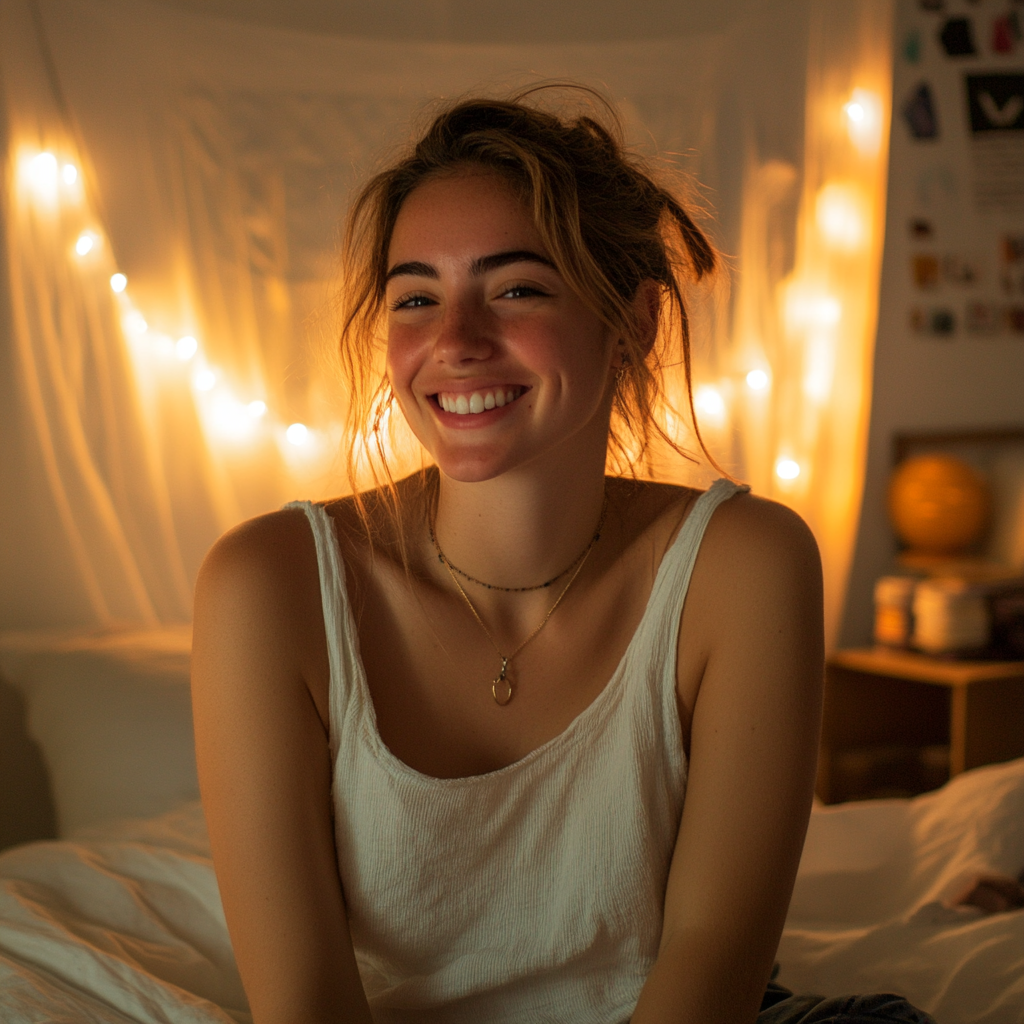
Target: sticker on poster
(920, 228)
(957, 38)
(1005, 33)
(925, 271)
(982, 318)
(936, 186)
(960, 270)
(1011, 264)
(995, 104)
(912, 46)
(921, 114)
(936, 322)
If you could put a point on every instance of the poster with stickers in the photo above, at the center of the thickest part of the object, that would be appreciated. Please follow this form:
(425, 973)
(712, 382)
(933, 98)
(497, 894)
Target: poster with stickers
(958, 151)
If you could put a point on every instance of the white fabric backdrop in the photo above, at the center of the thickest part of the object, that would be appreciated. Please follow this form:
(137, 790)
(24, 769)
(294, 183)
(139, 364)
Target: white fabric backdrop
(216, 159)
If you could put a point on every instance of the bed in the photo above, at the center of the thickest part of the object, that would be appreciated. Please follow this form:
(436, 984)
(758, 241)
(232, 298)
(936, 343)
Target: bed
(119, 919)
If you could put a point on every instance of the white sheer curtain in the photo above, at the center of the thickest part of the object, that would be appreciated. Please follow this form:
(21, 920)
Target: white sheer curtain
(802, 340)
(214, 162)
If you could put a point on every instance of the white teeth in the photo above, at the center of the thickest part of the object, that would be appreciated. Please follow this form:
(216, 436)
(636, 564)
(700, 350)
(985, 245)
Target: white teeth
(478, 401)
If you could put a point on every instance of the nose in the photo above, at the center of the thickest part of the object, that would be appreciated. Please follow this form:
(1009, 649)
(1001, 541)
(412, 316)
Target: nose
(464, 333)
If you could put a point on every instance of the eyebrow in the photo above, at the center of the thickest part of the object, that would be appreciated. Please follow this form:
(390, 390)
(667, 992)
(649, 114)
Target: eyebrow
(481, 265)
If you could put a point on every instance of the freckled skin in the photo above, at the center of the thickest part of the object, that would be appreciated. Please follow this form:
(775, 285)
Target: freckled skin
(518, 324)
(520, 490)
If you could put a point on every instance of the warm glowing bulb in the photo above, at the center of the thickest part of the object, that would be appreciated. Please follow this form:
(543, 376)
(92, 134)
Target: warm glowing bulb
(709, 401)
(787, 469)
(135, 323)
(86, 243)
(757, 380)
(806, 310)
(204, 380)
(42, 172)
(864, 120)
(257, 409)
(839, 210)
(185, 348)
(297, 433)
(69, 172)
(118, 283)
(227, 418)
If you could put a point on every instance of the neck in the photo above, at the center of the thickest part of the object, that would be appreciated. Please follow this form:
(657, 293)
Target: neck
(521, 528)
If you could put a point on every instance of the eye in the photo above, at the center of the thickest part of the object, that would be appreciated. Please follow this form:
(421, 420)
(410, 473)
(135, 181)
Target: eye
(522, 291)
(414, 301)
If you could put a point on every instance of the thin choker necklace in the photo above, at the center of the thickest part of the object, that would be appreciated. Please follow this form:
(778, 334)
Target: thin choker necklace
(451, 567)
(501, 684)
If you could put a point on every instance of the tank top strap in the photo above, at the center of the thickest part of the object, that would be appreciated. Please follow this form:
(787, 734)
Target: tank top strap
(339, 626)
(673, 580)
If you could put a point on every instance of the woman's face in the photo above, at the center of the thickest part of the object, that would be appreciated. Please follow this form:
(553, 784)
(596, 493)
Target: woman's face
(494, 360)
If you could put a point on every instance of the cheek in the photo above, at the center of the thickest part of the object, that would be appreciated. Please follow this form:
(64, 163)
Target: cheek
(403, 356)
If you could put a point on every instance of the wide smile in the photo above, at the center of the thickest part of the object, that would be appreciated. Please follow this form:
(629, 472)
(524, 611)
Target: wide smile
(479, 402)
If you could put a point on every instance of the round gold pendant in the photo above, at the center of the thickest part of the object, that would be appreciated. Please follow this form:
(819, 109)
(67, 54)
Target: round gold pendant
(501, 685)
(502, 691)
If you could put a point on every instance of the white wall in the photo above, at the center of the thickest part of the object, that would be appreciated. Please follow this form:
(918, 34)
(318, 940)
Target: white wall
(921, 382)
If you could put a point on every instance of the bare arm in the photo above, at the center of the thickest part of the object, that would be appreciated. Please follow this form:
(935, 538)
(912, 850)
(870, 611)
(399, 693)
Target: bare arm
(264, 771)
(754, 619)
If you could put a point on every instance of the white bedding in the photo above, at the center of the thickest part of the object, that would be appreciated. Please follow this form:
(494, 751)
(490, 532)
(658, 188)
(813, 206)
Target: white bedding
(124, 923)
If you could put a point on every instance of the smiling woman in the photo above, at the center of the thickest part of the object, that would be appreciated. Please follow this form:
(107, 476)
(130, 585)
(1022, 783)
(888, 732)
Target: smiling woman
(512, 739)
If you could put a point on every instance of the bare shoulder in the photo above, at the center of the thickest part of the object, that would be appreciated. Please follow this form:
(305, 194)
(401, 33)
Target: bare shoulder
(270, 551)
(258, 613)
(758, 531)
(757, 579)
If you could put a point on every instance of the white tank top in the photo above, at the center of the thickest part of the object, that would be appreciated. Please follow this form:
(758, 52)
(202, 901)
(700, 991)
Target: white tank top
(531, 893)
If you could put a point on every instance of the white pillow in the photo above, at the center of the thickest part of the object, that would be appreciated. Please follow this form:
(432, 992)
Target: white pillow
(112, 715)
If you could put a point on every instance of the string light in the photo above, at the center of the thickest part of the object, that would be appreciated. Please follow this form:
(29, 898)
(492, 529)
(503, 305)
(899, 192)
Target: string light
(864, 121)
(42, 174)
(757, 380)
(807, 310)
(185, 348)
(297, 434)
(787, 469)
(839, 211)
(223, 415)
(87, 241)
(708, 400)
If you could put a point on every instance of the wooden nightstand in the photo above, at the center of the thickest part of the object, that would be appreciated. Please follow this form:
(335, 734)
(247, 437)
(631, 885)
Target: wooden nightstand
(879, 698)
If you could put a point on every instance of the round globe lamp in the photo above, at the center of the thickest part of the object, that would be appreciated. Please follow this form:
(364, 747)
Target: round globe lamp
(938, 505)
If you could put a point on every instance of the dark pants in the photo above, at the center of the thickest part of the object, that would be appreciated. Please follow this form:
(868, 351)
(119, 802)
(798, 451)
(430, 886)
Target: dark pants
(780, 1006)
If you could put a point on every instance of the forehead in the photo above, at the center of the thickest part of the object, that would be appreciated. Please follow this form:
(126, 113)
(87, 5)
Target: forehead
(463, 215)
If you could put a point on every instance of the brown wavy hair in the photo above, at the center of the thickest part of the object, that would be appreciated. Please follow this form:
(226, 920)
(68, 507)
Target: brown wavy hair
(608, 225)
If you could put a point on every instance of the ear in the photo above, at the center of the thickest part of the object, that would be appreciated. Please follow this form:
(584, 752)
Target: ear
(647, 305)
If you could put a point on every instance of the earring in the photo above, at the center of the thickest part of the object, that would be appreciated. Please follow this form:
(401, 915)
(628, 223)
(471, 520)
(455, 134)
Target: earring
(622, 369)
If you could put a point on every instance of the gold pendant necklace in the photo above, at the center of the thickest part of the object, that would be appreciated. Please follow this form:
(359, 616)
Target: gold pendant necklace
(501, 685)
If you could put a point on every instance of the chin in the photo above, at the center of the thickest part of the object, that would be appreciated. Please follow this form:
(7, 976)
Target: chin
(473, 467)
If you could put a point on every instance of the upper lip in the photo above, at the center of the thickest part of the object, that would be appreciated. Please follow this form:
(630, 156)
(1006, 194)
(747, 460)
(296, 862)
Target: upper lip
(467, 387)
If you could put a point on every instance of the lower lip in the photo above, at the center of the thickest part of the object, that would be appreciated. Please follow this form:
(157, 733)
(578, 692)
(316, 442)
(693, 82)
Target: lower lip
(471, 420)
